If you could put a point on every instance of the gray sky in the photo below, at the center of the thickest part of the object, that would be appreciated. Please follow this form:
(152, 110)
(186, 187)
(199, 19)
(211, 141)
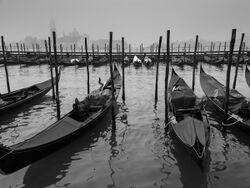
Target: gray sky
(139, 21)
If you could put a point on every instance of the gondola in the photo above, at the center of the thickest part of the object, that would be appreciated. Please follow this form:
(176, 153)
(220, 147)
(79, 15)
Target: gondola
(186, 119)
(147, 62)
(126, 61)
(238, 107)
(85, 115)
(247, 76)
(137, 62)
(15, 99)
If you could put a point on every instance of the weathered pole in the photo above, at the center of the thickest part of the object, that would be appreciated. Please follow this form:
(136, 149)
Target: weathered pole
(5, 64)
(18, 53)
(81, 50)
(87, 64)
(178, 49)
(61, 51)
(172, 48)
(93, 50)
(184, 56)
(51, 66)
(57, 79)
(219, 47)
(123, 74)
(228, 74)
(21, 46)
(71, 50)
(194, 62)
(112, 79)
(238, 60)
(97, 49)
(24, 49)
(10, 48)
(33, 47)
(166, 77)
(157, 70)
(211, 48)
(225, 47)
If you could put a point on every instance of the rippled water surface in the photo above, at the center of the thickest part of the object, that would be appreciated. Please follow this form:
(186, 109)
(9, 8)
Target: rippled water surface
(140, 153)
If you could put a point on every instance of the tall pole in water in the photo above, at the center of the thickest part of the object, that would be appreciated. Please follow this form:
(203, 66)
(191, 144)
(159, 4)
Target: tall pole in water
(194, 62)
(157, 70)
(57, 79)
(228, 74)
(166, 77)
(87, 64)
(238, 60)
(51, 67)
(5, 64)
(123, 75)
(112, 79)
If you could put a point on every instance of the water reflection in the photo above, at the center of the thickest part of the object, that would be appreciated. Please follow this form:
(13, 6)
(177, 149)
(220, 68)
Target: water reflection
(57, 164)
(191, 174)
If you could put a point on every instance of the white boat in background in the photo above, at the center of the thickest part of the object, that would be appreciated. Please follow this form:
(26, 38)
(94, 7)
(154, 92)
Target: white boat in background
(136, 61)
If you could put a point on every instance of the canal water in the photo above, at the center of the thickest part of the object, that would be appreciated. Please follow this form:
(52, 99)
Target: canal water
(140, 153)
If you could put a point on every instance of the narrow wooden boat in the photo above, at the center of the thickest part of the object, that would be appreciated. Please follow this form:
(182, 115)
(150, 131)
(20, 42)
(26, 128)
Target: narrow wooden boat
(18, 98)
(136, 61)
(238, 108)
(186, 119)
(247, 76)
(85, 115)
(100, 62)
(126, 61)
(147, 62)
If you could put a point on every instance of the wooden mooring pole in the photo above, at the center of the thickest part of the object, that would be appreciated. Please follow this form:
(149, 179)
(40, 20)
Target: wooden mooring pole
(18, 53)
(157, 71)
(238, 60)
(232, 42)
(112, 80)
(51, 66)
(5, 64)
(57, 79)
(93, 50)
(166, 77)
(87, 63)
(123, 74)
(194, 62)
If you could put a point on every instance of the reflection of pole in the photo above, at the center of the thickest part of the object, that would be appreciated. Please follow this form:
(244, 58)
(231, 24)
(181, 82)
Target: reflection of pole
(114, 153)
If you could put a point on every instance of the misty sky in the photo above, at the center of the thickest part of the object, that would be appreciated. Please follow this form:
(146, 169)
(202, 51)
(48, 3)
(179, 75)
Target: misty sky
(139, 21)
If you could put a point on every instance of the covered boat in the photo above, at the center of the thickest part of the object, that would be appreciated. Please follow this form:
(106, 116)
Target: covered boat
(147, 61)
(238, 106)
(85, 115)
(186, 119)
(136, 61)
